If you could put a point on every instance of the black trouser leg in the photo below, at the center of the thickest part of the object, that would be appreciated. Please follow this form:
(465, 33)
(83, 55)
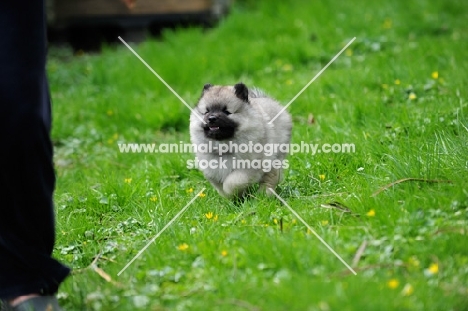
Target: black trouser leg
(27, 180)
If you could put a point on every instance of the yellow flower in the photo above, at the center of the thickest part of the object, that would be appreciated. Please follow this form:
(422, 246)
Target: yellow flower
(433, 268)
(371, 213)
(215, 218)
(293, 221)
(183, 247)
(322, 177)
(435, 75)
(189, 190)
(275, 221)
(243, 221)
(209, 215)
(224, 253)
(393, 283)
(127, 180)
(153, 198)
(349, 52)
(278, 62)
(407, 290)
(397, 81)
(324, 222)
(387, 24)
(413, 261)
(287, 67)
(202, 195)
(412, 96)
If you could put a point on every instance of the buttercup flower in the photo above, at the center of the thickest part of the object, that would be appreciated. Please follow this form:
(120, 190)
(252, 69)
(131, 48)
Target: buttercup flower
(407, 290)
(183, 247)
(413, 261)
(127, 180)
(287, 67)
(433, 268)
(371, 213)
(387, 24)
(393, 283)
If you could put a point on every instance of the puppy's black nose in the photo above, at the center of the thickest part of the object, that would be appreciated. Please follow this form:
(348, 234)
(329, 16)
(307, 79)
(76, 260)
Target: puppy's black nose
(212, 118)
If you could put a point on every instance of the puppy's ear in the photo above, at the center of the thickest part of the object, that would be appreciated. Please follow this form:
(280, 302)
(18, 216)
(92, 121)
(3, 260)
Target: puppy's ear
(206, 87)
(242, 92)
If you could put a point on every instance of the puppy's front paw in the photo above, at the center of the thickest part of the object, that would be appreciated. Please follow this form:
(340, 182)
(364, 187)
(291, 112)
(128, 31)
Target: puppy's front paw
(236, 184)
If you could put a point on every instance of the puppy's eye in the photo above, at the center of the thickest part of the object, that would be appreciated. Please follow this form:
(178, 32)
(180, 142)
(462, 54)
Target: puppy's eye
(226, 112)
(207, 111)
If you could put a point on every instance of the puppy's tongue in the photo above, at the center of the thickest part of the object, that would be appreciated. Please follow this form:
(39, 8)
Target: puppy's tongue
(214, 128)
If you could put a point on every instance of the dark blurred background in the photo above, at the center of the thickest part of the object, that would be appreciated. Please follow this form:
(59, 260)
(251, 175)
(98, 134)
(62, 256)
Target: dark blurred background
(86, 24)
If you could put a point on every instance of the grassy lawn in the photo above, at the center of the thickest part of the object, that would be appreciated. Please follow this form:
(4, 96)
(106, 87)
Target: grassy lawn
(398, 93)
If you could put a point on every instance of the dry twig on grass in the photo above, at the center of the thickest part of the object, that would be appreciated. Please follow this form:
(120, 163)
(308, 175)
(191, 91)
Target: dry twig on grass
(409, 179)
(359, 253)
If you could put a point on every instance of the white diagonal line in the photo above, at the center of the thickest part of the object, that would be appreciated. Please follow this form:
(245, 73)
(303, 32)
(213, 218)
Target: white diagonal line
(161, 79)
(313, 79)
(312, 230)
(160, 232)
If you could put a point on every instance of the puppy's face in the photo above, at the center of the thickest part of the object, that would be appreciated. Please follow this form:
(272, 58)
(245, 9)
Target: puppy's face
(221, 108)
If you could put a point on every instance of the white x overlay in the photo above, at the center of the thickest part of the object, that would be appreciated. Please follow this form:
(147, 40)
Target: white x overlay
(271, 190)
(313, 79)
(160, 232)
(313, 231)
(161, 79)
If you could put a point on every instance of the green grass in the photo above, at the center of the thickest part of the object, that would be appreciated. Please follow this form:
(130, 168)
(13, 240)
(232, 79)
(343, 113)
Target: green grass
(109, 204)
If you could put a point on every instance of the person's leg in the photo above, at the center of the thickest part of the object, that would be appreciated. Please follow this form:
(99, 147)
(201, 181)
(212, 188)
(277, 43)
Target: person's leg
(27, 180)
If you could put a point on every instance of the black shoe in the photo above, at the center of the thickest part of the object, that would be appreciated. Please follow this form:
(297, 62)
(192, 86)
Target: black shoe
(39, 303)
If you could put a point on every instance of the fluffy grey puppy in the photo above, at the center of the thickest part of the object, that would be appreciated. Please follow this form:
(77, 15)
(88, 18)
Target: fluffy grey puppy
(235, 116)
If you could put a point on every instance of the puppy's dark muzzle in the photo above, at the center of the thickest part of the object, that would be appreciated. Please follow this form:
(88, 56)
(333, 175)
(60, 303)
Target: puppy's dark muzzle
(218, 126)
(212, 119)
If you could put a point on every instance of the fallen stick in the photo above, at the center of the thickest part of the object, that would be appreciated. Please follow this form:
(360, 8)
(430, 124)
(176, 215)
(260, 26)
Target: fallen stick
(409, 179)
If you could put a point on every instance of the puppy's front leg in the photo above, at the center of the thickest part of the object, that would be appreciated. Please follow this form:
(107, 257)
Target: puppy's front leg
(238, 181)
(270, 180)
(219, 187)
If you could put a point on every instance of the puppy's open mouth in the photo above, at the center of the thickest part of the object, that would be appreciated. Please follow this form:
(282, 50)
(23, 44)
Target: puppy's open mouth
(219, 131)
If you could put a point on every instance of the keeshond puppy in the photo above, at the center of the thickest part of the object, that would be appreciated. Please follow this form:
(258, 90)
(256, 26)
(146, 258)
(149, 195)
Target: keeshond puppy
(235, 145)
